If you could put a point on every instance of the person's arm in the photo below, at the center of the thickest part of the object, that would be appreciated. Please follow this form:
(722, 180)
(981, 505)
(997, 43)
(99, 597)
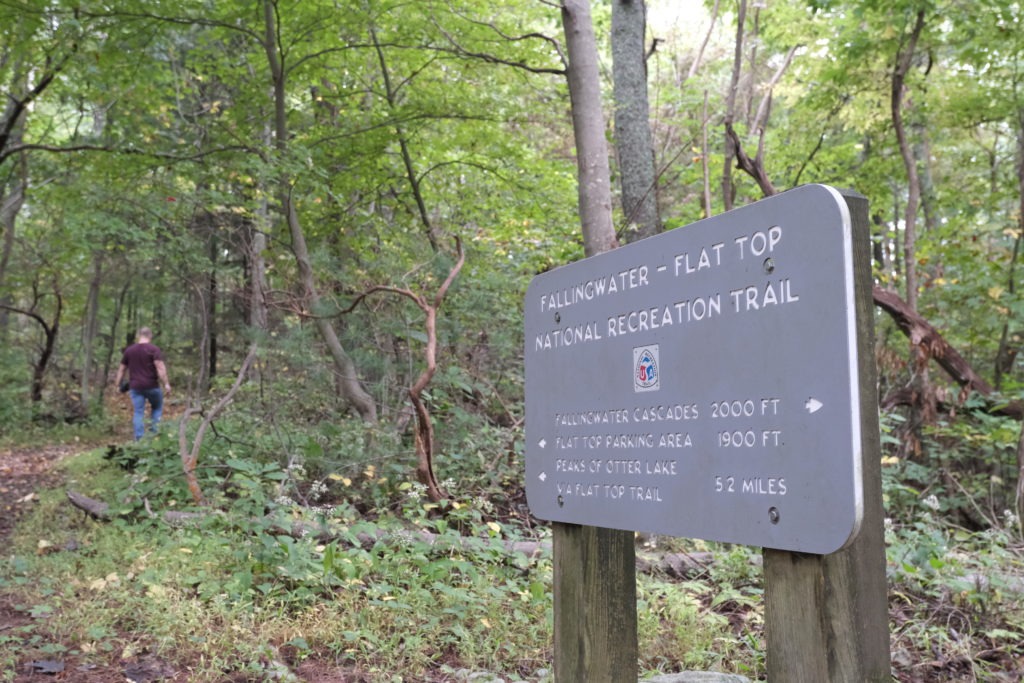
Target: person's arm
(161, 371)
(120, 373)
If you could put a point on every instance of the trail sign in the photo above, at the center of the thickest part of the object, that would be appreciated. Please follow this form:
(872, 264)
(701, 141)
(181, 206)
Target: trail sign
(703, 382)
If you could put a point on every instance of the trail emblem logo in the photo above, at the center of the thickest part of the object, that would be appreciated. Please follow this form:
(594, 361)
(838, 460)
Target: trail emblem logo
(646, 373)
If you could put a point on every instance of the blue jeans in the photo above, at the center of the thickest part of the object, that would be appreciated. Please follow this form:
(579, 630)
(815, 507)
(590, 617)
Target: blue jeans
(155, 396)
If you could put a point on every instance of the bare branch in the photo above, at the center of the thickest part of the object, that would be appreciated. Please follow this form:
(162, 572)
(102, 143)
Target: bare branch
(492, 59)
(461, 259)
(385, 288)
(707, 37)
(189, 457)
(764, 107)
(18, 106)
(163, 156)
(821, 140)
(31, 314)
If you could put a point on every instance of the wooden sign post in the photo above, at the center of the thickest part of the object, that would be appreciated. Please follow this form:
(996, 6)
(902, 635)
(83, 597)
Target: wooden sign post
(715, 382)
(827, 616)
(595, 604)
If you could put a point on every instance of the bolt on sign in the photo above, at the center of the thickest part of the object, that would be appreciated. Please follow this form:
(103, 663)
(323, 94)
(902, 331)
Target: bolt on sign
(703, 382)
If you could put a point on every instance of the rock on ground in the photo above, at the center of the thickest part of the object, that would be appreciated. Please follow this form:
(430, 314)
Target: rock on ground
(697, 677)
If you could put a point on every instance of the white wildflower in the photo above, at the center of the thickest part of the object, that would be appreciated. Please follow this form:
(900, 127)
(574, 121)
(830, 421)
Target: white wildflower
(931, 502)
(416, 490)
(890, 530)
(317, 489)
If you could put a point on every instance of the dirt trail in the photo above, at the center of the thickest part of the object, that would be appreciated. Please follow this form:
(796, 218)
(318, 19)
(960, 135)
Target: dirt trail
(24, 471)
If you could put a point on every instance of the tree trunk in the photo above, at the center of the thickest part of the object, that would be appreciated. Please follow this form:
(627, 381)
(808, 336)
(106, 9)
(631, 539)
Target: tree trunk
(258, 319)
(12, 198)
(1019, 499)
(211, 309)
(594, 568)
(904, 59)
(411, 175)
(10, 205)
(633, 141)
(12, 187)
(92, 306)
(594, 182)
(201, 338)
(922, 149)
(924, 411)
(1005, 355)
(351, 388)
(50, 331)
(112, 341)
(730, 109)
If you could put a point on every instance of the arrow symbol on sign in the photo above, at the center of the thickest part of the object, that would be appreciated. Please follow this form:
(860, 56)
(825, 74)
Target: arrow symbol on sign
(813, 405)
(542, 443)
(542, 476)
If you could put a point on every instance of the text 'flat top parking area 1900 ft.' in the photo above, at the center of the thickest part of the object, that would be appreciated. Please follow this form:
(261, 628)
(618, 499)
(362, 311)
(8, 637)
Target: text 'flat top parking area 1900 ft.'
(703, 382)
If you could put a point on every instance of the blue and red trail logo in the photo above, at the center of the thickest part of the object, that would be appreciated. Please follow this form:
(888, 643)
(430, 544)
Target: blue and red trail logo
(646, 376)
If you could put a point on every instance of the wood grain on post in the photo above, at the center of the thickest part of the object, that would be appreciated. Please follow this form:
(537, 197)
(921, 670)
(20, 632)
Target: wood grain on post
(826, 616)
(595, 605)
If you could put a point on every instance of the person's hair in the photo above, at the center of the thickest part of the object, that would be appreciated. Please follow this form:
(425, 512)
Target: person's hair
(145, 332)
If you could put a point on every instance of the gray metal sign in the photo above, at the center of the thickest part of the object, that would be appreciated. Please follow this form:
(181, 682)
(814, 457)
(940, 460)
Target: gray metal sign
(703, 382)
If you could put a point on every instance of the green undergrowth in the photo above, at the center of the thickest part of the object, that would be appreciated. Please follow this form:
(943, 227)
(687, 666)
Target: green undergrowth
(316, 552)
(955, 551)
(394, 589)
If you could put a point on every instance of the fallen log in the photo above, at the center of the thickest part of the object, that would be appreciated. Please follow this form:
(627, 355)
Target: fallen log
(923, 334)
(672, 565)
(94, 508)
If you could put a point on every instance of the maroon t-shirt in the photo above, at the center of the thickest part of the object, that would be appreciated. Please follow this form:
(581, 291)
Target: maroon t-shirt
(140, 359)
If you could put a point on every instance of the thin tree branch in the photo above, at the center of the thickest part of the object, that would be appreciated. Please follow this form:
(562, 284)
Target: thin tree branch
(764, 107)
(505, 36)
(707, 37)
(461, 259)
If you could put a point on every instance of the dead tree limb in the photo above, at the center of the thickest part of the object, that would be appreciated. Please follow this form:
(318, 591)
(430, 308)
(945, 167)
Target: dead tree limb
(923, 334)
(752, 167)
(96, 509)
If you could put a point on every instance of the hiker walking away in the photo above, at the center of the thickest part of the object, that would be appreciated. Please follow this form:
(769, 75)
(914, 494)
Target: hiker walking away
(144, 362)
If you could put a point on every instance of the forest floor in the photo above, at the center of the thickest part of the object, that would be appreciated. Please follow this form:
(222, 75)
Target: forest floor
(26, 470)
(23, 472)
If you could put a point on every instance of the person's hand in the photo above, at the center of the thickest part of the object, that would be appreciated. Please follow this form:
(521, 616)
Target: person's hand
(167, 390)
